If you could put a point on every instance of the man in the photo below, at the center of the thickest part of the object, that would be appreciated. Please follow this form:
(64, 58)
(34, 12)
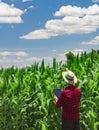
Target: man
(69, 100)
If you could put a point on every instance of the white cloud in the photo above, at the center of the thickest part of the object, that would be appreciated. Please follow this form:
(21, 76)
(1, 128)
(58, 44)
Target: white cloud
(31, 7)
(70, 11)
(18, 59)
(96, 1)
(26, 0)
(77, 11)
(61, 57)
(22, 59)
(10, 14)
(73, 20)
(78, 51)
(7, 53)
(94, 41)
(38, 34)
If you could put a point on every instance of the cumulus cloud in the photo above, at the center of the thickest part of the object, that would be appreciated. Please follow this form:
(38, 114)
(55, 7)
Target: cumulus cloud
(22, 58)
(10, 14)
(94, 41)
(22, 61)
(16, 58)
(7, 53)
(72, 20)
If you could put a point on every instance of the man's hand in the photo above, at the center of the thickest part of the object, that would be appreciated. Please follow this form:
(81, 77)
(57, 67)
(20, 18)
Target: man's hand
(55, 98)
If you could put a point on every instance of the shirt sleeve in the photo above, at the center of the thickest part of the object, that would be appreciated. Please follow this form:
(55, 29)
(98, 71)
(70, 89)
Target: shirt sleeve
(61, 100)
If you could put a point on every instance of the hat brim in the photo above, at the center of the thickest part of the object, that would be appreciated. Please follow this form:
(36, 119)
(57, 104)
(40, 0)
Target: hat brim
(64, 74)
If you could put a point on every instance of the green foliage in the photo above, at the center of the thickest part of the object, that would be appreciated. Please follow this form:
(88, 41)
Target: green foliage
(70, 56)
(26, 94)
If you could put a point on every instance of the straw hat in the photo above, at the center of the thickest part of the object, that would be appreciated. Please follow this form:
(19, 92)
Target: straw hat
(69, 77)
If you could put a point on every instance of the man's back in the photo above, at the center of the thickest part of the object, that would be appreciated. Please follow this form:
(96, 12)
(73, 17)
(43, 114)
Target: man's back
(69, 101)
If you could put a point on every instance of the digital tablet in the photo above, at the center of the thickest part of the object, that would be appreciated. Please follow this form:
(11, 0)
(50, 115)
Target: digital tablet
(57, 92)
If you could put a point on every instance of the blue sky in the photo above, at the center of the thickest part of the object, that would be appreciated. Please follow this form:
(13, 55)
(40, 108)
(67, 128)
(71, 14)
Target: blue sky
(34, 29)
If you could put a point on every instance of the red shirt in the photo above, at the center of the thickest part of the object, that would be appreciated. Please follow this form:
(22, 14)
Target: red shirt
(69, 100)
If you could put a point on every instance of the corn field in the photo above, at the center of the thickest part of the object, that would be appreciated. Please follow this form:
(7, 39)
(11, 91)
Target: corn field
(26, 94)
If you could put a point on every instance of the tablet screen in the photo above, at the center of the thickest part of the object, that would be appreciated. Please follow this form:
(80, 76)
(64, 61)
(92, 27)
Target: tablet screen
(57, 92)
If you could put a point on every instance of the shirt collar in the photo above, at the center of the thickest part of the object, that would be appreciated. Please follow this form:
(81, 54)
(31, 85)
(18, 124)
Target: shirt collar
(69, 86)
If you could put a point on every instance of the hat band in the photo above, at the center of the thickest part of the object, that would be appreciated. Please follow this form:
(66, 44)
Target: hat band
(70, 79)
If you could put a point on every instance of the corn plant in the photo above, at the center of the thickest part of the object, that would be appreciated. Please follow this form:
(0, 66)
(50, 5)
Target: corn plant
(26, 94)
